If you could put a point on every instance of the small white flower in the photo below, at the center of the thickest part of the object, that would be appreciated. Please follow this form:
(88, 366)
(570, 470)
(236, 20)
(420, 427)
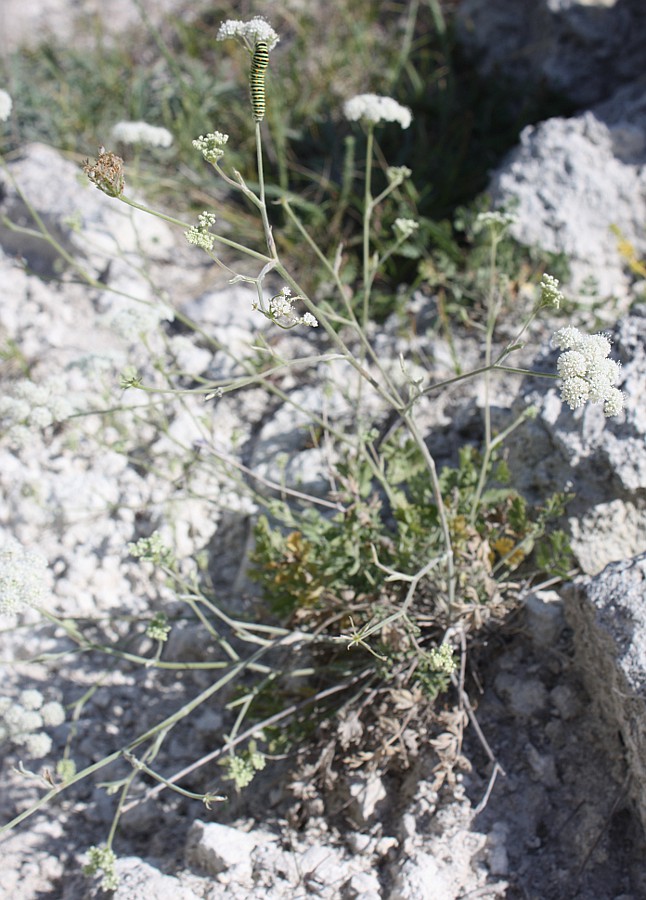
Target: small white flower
(494, 219)
(142, 133)
(206, 220)
(22, 722)
(211, 146)
(398, 174)
(31, 699)
(136, 319)
(52, 714)
(22, 576)
(595, 347)
(199, 235)
(575, 391)
(20, 436)
(566, 338)
(199, 238)
(614, 402)
(33, 405)
(442, 659)
(41, 417)
(256, 29)
(571, 363)
(280, 305)
(37, 745)
(404, 228)
(374, 108)
(5, 105)
(587, 373)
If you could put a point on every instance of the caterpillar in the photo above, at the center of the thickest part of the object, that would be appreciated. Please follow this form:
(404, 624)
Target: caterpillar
(259, 63)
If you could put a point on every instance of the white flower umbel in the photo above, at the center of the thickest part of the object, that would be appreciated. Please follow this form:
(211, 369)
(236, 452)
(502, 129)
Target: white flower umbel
(23, 576)
(29, 406)
(256, 29)
(586, 371)
(198, 235)
(280, 310)
(21, 722)
(494, 219)
(398, 174)
(211, 145)
(52, 714)
(139, 319)
(405, 228)
(5, 106)
(31, 699)
(142, 133)
(373, 108)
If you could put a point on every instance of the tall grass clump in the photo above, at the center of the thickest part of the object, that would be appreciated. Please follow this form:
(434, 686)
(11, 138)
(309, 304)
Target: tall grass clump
(368, 591)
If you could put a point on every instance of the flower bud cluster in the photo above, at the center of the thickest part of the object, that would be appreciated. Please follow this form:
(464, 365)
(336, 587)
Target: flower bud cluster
(211, 145)
(158, 628)
(103, 861)
(21, 722)
(398, 174)
(199, 235)
(587, 373)
(550, 293)
(405, 228)
(152, 549)
(442, 660)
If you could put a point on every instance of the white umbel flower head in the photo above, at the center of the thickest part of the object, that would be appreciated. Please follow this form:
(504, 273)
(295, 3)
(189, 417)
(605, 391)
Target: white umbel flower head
(587, 373)
(31, 699)
(211, 146)
(280, 310)
(22, 576)
(52, 714)
(5, 106)
(135, 319)
(373, 108)
(256, 29)
(37, 745)
(142, 133)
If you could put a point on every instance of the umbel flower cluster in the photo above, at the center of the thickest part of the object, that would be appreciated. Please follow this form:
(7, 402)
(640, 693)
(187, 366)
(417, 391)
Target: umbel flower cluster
(21, 722)
(586, 372)
(249, 33)
(28, 407)
(281, 311)
(373, 108)
(22, 576)
(142, 133)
